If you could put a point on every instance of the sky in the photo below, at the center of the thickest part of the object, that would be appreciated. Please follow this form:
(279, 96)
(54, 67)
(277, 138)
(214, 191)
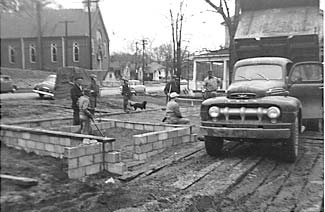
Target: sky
(129, 21)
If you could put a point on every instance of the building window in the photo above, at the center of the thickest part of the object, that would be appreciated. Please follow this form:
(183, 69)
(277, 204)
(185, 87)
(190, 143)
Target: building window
(75, 52)
(104, 49)
(54, 52)
(32, 53)
(12, 54)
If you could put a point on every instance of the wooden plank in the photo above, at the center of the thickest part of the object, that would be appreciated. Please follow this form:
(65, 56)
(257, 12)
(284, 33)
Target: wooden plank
(24, 181)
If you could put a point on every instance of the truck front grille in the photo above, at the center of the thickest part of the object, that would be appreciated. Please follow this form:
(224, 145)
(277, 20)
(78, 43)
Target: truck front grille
(243, 113)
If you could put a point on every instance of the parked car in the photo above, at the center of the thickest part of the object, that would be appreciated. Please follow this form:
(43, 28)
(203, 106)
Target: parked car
(136, 87)
(46, 88)
(7, 84)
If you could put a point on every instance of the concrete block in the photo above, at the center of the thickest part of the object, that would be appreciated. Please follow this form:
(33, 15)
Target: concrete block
(40, 146)
(116, 168)
(172, 133)
(129, 126)
(162, 136)
(35, 137)
(120, 124)
(177, 141)
(75, 141)
(136, 156)
(142, 156)
(54, 140)
(98, 158)
(85, 160)
(186, 138)
(137, 149)
(110, 146)
(45, 138)
(49, 147)
(94, 148)
(59, 149)
(72, 163)
(73, 152)
(161, 150)
(149, 154)
(169, 142)
(30, 144)
(9, 133)
(152, 137)
(159, 128)
(138, 126)
(157, 145)
(148, 127)
(21, 142)
(182, 132)
(113, 157)
(146, 147)
(193, 137)
(140, 139)
(26, 135)
(77, 173)
(65, 141)
(93, 169)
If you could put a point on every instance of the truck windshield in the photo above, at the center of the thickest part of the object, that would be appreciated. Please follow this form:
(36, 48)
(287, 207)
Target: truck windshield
(260, 72)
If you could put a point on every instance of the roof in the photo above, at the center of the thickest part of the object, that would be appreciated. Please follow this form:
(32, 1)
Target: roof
(22, 25)
(263, 60)
(280, 22)
(268, 4)
(154, 66)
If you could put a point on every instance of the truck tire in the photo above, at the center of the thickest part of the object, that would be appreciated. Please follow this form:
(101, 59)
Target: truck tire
(213, 145)
(291, 145)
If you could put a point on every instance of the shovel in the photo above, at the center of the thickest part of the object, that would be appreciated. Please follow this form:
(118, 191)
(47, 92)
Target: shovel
(93, 120)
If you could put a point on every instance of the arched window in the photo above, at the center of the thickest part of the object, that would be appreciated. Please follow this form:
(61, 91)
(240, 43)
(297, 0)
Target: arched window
(12, 54)
(75, 52)
(104, 49)
(54, 51)
(32, 53)
(99, 37)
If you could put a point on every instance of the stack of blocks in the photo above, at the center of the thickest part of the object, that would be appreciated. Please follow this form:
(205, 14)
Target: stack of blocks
(87, 159)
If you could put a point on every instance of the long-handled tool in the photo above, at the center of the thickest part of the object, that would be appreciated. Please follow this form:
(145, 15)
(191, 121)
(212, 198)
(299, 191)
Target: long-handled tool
(93, 120)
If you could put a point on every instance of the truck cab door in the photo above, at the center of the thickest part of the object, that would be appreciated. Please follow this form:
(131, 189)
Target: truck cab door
(306, 83)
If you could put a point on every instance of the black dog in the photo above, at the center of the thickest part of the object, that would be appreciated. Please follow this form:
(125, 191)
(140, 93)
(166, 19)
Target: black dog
(137, 105)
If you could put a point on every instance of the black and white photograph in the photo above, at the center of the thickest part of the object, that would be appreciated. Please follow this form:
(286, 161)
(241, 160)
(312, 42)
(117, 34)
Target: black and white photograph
(162, 105)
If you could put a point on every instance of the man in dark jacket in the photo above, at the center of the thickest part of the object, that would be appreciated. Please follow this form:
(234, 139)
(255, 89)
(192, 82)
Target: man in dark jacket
(171, 87)
(94, 92)
(75, 93)
(126, 93)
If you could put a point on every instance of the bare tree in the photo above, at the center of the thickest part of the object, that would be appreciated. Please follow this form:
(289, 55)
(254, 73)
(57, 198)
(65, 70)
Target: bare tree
(177, 27)
(231, 22)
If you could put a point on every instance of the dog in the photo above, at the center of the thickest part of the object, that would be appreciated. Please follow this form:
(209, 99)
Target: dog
(139, 105)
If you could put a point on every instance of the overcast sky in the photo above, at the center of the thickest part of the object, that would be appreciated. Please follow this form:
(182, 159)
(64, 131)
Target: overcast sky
(128, 21)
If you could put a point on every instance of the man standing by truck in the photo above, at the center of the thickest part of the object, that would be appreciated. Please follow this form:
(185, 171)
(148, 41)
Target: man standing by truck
(210, 85)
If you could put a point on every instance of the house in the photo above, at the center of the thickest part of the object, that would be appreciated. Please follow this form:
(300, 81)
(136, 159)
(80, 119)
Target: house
(59, 38)
(155, 71)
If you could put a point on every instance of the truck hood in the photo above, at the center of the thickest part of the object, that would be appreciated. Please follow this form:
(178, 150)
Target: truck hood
(255, 89)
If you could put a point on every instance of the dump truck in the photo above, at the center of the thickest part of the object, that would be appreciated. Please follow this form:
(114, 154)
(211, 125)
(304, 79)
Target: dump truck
(277, 82)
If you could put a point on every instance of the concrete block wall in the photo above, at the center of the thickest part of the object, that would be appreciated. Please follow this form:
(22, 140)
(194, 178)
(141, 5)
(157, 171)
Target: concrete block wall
(43, 123)
(88, 159)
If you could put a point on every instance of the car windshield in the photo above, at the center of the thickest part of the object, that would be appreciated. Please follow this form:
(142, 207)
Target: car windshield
(51, 78)
(260, 72)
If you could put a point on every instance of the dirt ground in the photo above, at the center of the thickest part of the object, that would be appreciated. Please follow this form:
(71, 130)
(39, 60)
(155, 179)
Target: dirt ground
(247, 177)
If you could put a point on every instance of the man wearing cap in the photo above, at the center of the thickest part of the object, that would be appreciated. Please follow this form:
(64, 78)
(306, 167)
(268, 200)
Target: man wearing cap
(210, 85)
(126, 93)
(94, 92)
(171, 87)
(173, 114)
(75, 93)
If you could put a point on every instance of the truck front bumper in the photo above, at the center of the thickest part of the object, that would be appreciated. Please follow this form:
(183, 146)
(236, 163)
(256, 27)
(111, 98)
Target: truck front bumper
(260, 132)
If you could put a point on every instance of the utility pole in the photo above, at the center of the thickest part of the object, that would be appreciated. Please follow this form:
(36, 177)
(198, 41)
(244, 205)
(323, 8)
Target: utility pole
(144, 43)
(136, 59)
(90, 34)
(66, 40)
(39, 35)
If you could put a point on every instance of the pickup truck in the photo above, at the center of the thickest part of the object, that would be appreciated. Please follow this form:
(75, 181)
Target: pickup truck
(259, 107)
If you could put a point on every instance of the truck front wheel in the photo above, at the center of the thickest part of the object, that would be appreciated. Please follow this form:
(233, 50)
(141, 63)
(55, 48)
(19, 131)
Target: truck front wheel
(291, 145)
(213, 145)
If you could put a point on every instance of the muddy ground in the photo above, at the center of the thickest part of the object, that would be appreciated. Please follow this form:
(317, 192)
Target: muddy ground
(246, 177)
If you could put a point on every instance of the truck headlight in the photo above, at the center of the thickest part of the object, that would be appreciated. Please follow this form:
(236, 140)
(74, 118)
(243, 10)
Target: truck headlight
(273, 112)
(214, 111)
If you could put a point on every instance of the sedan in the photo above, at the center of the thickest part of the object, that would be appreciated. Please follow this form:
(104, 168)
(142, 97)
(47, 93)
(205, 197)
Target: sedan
(136, 87)
(7, 84)
(46, 88)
